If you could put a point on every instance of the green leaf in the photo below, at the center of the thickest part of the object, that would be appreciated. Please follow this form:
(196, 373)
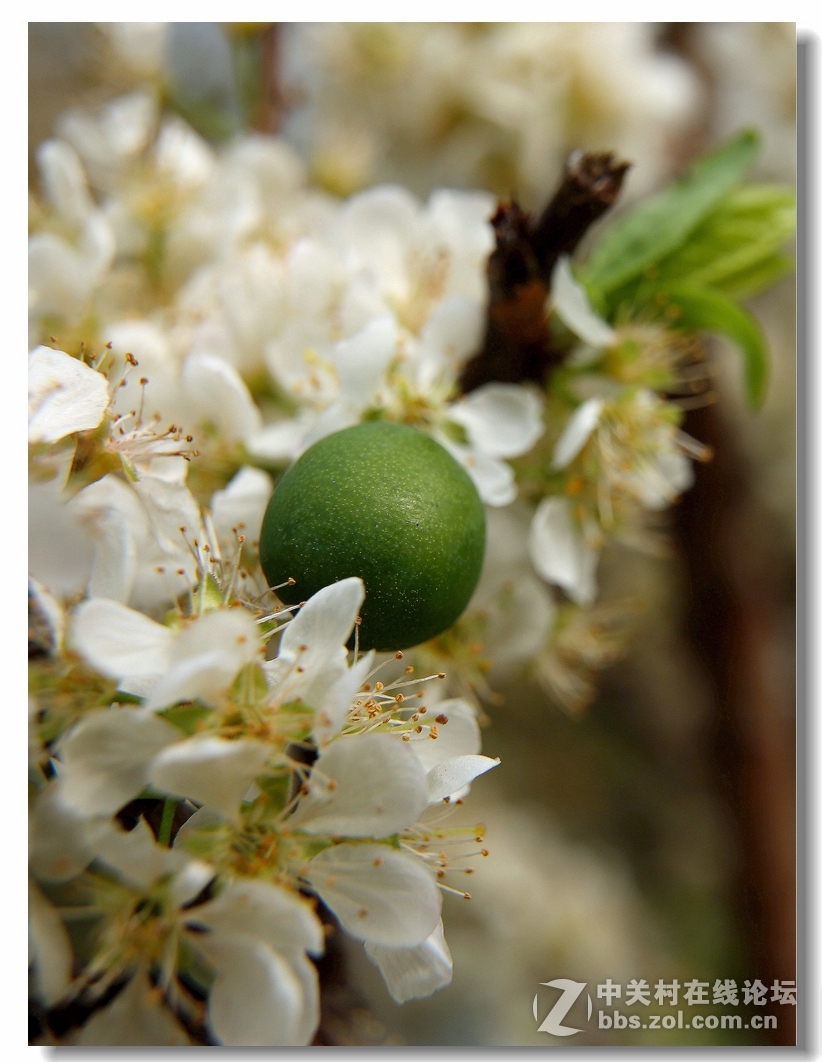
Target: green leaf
(735, 247)
(187, 717)
(658, 227)
(711, 311)
(758, 277)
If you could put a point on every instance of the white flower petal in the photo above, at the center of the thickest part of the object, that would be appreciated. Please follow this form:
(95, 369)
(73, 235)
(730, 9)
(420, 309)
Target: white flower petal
(282, 441)
(453, 331)
(361, 361)
(118, 641)
(134, 854)
(190, 880)
(570, 300)
(206, 678)
(315, 640)
(59, 282)
(336, 417)
(107, 757)
(559, 553)
(577, 432)
(364, 786)
(663, 478)
(205, 658)
(376, 229)
(65, 396)
(61, 551)
(379, 894)
(281, 918)
(242, 502)
(181, 154)
(117, 520)
(170, 506)
(256, 999)
(210, 770)
(58, 845)
(110, 140)
(219, 395)
(414, 973)
(64, 182)
(97, 245)
(136, 1017)
(449, 778)
(115, 559)
(327, 619)
(493, 479)
(306, 971)
(332, 709)
(460, 736)
(50, 946)
(502, 420)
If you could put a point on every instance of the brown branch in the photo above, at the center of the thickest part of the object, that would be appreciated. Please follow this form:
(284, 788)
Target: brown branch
(736, 621)
(517, 346)
(271, 106)
(591, 186)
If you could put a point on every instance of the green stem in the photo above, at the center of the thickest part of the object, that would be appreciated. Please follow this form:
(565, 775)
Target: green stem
(169, 807)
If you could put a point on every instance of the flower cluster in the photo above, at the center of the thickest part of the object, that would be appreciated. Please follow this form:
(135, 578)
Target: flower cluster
(217, 779)
(495, 106)
(302, 779)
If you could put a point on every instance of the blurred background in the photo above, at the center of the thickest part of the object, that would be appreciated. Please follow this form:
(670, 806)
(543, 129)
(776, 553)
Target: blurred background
(653, 834)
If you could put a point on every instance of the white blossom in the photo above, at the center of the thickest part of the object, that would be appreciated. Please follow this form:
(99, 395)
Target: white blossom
(559, 551)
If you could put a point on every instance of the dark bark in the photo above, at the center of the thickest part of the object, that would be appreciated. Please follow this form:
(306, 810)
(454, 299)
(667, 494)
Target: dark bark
(735, 614)
(590, 187)
(270, 110)
(517, 345)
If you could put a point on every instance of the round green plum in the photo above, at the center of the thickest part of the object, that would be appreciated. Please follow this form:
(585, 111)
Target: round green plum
(387, 503)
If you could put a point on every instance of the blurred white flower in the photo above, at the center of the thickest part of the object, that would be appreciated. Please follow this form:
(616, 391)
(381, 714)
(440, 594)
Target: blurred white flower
(69, 259)
(559, 551)
(49, 948)
(200, 660)
(253, 937)
(495, 106)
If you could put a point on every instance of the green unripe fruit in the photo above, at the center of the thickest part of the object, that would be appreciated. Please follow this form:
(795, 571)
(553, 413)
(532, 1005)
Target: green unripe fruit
(386, 503)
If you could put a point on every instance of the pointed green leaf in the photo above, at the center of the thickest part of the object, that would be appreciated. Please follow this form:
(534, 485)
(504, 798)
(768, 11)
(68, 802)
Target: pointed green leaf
(745, 231)
(710, 311)
(656, 228)
(758, 277)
